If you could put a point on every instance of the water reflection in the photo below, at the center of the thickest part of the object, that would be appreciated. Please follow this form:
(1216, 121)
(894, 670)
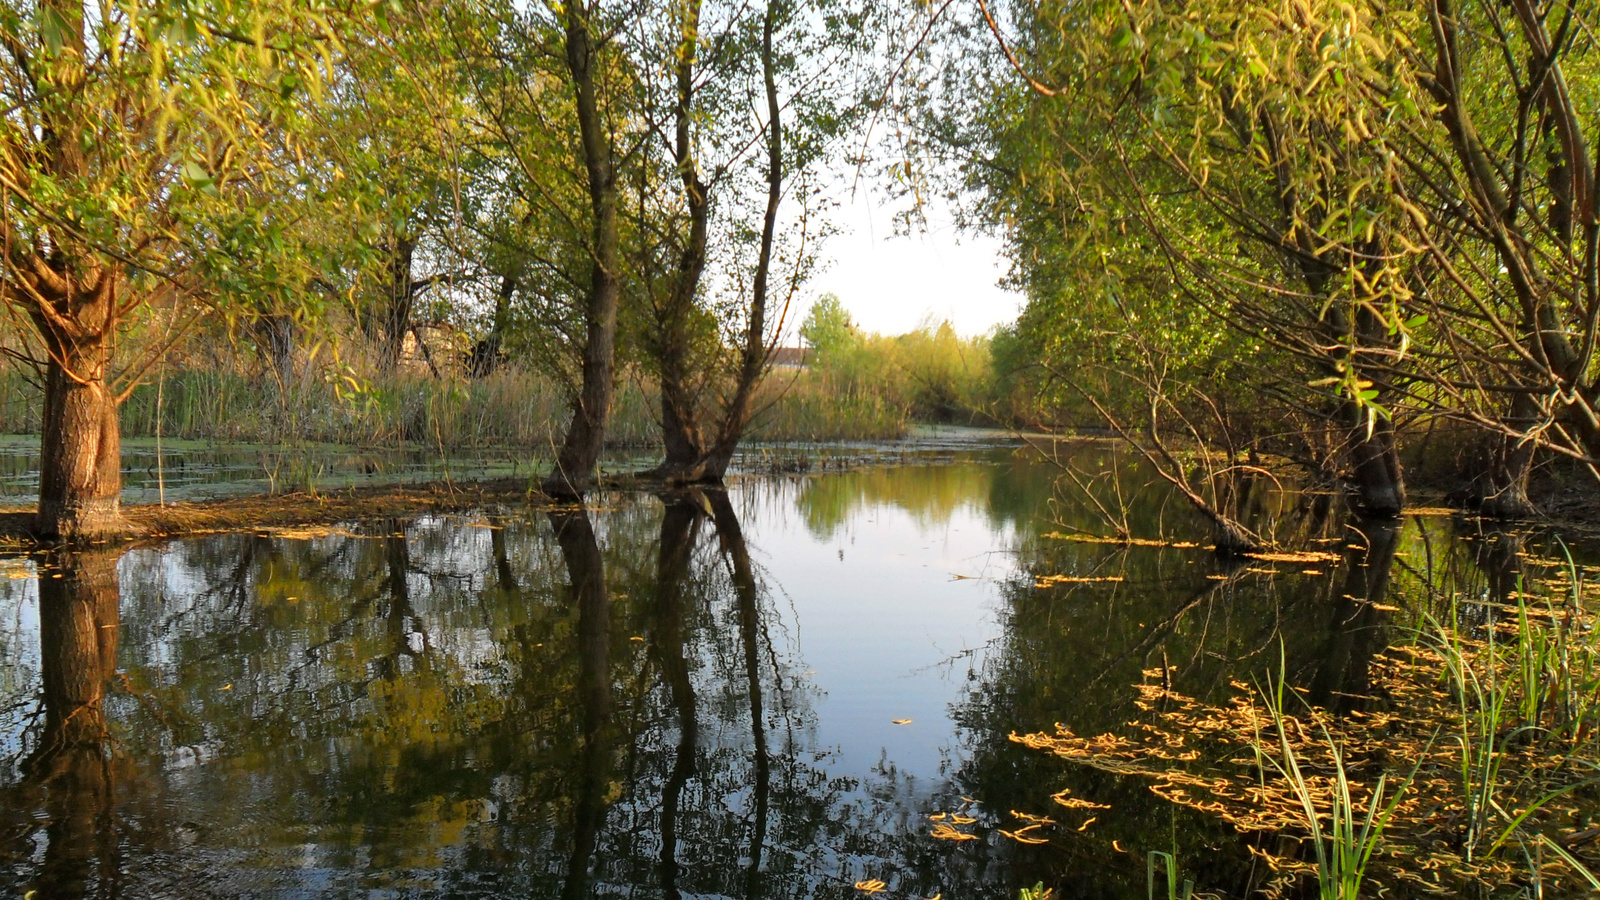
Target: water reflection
(687, 695)
(70, 765)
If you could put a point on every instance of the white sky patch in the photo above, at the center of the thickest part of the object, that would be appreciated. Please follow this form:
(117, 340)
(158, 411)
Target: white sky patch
(892, 283)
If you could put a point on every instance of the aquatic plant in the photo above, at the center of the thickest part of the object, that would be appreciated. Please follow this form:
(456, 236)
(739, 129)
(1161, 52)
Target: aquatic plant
(1468, 790)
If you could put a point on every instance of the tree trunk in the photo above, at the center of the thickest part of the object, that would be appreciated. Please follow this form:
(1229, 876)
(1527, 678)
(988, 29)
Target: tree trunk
(80, 474)
(712, 464)
(486, 354)
(396, 321)
(1379, 486)
(753, 356)
(575, 464)
(1510, 464)
(682, 444)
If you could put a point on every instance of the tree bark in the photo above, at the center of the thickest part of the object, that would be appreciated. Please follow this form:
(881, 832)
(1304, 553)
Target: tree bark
(682, 443)
(395, 323)
(575, 464)
(754, 354)
(690, 459)
(1379, 485)
(487, 355)
(1510, 464)
(80, 474)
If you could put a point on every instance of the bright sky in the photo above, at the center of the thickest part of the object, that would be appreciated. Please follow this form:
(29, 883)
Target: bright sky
(890, 283)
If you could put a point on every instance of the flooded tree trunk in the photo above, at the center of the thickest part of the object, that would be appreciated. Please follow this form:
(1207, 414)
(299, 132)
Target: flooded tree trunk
(587, 593)
(1510, 465)
(80, 464)
(1379, 486)
(78, 617)
(575, 464)
(689, 457)
(682, 445)
(753, 356)
(505, 576)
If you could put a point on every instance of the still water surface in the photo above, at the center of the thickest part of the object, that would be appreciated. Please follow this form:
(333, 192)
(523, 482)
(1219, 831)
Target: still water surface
(758, 693)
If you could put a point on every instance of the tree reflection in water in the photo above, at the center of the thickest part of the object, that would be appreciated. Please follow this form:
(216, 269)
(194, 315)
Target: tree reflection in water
(70, 775)
(585, 703)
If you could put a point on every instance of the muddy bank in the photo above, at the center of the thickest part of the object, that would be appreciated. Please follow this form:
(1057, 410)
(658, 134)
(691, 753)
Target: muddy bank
(147, 521)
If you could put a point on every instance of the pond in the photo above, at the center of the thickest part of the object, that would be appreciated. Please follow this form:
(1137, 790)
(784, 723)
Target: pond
(777, 691)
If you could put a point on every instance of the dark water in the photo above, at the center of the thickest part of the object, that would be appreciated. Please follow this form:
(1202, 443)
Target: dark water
(688, 696)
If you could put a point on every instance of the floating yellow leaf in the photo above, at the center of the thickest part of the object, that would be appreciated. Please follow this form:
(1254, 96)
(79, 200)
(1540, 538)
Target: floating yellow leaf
(1021, 835)
(870, 887)
(946, 833)
(1088, 823)
(1038, 820)
(1300, 556)
(937, 817)
(962, 820)
(901, 721)
(1045, 581)
(637, 638)
(1074, 803)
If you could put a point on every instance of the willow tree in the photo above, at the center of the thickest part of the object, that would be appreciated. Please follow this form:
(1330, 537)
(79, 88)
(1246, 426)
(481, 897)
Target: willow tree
(1501, 181)
(1229, 151)
(752, 104)
(139, 146)
(555, 118)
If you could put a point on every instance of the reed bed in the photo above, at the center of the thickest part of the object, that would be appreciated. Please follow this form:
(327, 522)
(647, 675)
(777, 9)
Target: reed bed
(511, 408)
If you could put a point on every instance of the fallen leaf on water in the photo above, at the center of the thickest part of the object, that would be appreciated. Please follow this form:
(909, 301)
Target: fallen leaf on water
(937, 817)
(1045, 581)
(901, 721)
(1088, 823)
(637, 638)
(1021, 835)
(870, 887)
(1312, 572)
(1075, 803)
(962, 820)
(1301, 556)
(946, 833)
(1037, 820)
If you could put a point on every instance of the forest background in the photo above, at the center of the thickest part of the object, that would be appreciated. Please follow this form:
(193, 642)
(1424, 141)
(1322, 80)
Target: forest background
(1360, 240)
